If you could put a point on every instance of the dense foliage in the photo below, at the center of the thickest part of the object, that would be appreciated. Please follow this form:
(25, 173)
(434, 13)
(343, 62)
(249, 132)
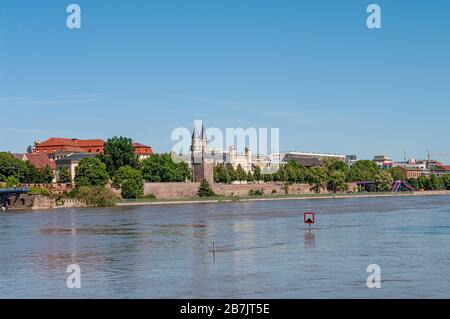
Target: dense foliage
(118, 152)
(130, 182)
(98, 196)
(162, 168)
(23, 171)
(64, 175)
(91, 172)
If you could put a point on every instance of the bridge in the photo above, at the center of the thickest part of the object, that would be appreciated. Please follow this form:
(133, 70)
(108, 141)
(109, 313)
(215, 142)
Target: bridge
(6, 193)
(397, 186)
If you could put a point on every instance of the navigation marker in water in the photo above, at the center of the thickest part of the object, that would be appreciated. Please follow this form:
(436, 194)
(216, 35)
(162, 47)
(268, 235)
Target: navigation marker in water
(308, 218)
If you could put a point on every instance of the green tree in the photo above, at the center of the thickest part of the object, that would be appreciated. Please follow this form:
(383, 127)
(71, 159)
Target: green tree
(422, 182)
(333, 165)
(162, 168)
(318, 179)
(398, 174)
(446, 181)
(220, 174)
(383, 181)
(268, 178)
(231, 173)
(11, 166)
(241, 175)
(292, 172)
(363, 171)
(35, 175)
(250, 177)
(64, 175)
(257, 173)
(91, 172)
(205, 190)
(118, 152)
(336, 181)
(414, 182)
(130, 182)
(433, 183)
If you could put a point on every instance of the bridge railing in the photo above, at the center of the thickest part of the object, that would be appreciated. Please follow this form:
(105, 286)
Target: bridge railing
(14, 190)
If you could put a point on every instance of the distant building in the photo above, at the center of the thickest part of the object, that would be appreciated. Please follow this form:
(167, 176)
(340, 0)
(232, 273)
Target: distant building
(71, 162)
(142, 151)
(411, 172)
(351, 159)
(58, 148)
(383, 161)
(222, 156)
(412, 164)
(55, 144)
(40, 161)
(306, 159)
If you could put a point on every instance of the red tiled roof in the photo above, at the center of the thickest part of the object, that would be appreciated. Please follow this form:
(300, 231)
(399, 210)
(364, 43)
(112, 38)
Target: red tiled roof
(446, 167)
(140, 145)
(141, 149)
(57, 141)
(40, 160)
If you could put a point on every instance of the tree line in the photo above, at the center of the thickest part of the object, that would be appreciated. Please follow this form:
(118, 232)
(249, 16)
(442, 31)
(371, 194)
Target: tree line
(14, 171)
(333, 176)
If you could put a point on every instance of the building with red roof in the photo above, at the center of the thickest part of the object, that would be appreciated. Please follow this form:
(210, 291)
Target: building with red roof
(40, 160)
(58, 148)
(142, 151)
(55, 144)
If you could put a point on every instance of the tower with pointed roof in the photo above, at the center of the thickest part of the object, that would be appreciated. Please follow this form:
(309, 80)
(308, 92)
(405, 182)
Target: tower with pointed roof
(202, 165)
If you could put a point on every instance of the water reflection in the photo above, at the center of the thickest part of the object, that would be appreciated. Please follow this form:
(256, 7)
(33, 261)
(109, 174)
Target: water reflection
(310, 238)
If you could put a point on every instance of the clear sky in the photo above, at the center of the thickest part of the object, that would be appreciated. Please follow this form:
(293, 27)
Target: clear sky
(311, 68)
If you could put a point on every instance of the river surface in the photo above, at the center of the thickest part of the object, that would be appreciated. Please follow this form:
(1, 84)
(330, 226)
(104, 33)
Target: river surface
(263, 250)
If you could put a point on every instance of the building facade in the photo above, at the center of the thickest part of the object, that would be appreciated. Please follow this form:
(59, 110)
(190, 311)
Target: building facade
(71, 162)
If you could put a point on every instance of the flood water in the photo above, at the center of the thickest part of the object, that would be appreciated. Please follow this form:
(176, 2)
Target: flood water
(263, 250)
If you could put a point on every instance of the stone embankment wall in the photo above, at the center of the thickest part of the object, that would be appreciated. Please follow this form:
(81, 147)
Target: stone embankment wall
(30, 201)
(171, 190)
(189, 190)
(56, 188)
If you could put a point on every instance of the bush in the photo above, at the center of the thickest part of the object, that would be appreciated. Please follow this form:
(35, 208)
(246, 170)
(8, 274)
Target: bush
(205, 190)
(12, 181)
(256, 192)
(274, 191)
(40, 191)
(96, 196)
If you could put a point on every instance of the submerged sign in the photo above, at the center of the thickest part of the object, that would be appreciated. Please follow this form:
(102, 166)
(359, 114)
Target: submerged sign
(308, 218)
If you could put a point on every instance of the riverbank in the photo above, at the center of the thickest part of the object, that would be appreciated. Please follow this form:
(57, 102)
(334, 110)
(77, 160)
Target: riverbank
(225, 199)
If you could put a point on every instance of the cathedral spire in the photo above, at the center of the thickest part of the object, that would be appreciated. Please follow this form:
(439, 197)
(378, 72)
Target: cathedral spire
(195, 133)
(203, 133)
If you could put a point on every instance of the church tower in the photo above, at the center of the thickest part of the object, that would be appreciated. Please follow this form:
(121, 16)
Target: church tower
(202, 165)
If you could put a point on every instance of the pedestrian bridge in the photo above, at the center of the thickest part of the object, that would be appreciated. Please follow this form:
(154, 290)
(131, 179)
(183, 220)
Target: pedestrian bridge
(397, 186)
(6, 193)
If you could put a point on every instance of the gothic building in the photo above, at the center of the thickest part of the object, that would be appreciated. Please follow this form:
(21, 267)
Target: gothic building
(201, 162)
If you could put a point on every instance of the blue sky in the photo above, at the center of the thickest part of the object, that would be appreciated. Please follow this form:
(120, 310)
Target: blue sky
(311, 68)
